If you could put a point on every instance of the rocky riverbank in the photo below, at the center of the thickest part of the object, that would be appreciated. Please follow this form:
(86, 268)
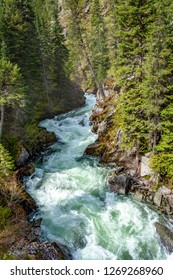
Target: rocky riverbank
(20, 238)
(128, 175)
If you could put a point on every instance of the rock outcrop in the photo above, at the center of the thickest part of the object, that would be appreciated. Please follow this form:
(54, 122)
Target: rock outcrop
(120, 184)
(23, 156)
(166, 236)
(145, 169)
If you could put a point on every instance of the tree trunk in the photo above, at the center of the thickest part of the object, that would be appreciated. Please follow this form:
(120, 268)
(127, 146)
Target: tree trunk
(137, 156)
(45, 78)
(1, 120)
(99, 86)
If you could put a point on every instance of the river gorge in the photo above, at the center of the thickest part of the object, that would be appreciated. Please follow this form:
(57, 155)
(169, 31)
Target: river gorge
(75, 204)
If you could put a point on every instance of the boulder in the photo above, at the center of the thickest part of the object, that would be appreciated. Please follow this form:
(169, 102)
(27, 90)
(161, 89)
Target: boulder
(23, 156)
(95, 149)
(26, 170)
(145, 168)
(158, 198)
(120, 183)
(165, 191)
(166, 236)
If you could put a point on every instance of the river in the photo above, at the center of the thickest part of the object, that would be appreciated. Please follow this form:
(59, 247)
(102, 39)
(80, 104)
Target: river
(75, 204)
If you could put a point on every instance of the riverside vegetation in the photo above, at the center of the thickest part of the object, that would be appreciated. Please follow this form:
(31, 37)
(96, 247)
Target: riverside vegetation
(33, 85)
(120, 49)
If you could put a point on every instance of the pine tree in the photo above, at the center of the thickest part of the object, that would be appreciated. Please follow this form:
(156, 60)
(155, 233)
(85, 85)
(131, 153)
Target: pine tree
(53, 51)
(78, 34)
(97, 42)
(11, 88)
(19, 34)
(157, 85)
(6, 163)
(160, 90)
(132, 18)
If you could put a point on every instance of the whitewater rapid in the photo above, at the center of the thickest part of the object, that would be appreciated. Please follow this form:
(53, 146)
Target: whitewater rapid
(76, 207)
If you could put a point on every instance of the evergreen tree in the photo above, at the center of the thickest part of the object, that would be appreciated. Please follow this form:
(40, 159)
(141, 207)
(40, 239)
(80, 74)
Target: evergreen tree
(110, 19)
(11, 88)
(19, 34)
(6, 163)
(132, 17)
(97, 42)
(78, 34)
(158, 85)
(53, 51)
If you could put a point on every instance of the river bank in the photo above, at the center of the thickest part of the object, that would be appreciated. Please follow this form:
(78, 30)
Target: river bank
(129, 174)
(20, 236)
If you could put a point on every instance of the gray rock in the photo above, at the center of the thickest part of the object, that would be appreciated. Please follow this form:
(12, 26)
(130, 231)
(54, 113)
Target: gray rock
(166, 236)
(23, 157)
(170, 199)
(82, 122)
(158, 199)
(145, 169)
(138, 196)
(165, 191)
(120, 183)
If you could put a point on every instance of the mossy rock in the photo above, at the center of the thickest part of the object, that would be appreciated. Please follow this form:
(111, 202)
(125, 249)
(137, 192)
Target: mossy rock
(46, 137)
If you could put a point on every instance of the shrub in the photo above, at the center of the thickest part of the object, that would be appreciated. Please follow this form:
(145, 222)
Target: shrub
(5, 214)
(6, 163)
(163, 164)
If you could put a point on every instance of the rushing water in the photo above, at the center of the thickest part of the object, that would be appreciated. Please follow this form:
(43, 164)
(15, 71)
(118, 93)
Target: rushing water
(76, 207)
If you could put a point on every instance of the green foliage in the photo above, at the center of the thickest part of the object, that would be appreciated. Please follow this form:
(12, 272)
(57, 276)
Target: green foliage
(5, 214)
(32, 68)
(166, 141)
(7, 256)
(129, 70)
(163, 164)
(6, 163)
(11, 86)
(130, 40)
(97, 42)
(86, 41)
(133, 42)
(157, 84)
(53, 51)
